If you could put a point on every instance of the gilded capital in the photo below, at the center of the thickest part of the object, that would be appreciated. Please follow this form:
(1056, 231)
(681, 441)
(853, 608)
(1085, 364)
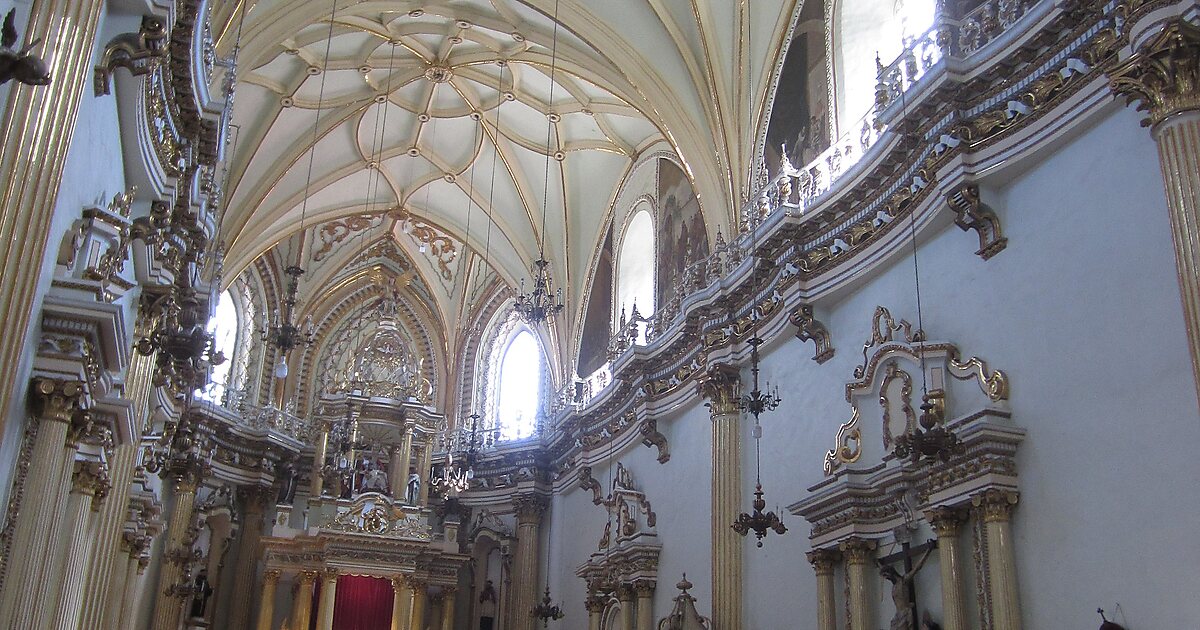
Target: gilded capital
(90, 478)
(857, 551)
(995, 505)
(308, 576)
(946, 520)
(530, 508)
(1163, 76)
(399, 583)
(57, 400)
(329, 575)
(271, 576)
(626, 592)
(823, 560)
(721, 385)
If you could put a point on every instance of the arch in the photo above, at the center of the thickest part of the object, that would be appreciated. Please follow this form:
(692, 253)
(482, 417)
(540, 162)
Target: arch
(635, 277)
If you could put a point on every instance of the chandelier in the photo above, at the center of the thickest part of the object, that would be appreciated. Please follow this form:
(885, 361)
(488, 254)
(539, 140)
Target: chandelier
(283, 333)
(546, 610)
(543, 302)
(458, 473)
(757, 521)
(758, 401)
(931, 442)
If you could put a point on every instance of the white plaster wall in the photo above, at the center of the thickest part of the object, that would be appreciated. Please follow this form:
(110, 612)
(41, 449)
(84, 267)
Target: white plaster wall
(1083, 313)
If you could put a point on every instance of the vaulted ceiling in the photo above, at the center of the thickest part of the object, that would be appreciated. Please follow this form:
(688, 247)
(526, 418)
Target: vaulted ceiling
(480, 115)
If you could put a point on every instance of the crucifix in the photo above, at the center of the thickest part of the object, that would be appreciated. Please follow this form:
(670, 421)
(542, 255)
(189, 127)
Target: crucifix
(904, 591)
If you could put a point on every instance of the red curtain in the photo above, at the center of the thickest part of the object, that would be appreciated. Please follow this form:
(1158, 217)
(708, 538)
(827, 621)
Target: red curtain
(362, 603)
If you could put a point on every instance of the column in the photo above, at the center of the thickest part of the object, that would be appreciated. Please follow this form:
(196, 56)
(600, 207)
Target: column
(329, 580)
(946, 523)
(168, 607)
(266, 608)
(35, 134)
(1164, 78)
(302, 603)
(823, 561)
(406, 459)
(253, 501)
(397, 472)
(420, 597)
(128, 608)
(423, 468)
(996, 506)
(316, 480)
(645, 604)
(858, 552)
(401, 603)
(448, 601)
(529, 509)
(627, 598)
(88, 479)
(44, 499)
(595, 607)
(721, 386)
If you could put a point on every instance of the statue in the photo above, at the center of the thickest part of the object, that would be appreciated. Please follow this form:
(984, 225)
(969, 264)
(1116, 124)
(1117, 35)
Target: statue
(414, 486)
(903, 619)
(375, 480)
(20, 65)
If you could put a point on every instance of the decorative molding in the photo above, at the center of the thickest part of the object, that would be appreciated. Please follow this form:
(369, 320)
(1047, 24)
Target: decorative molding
(721, 385)
(971, 214)
(139, 52)
(809, 329)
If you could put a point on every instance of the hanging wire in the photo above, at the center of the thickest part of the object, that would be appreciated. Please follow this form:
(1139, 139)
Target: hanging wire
(549, 134)
(912, 226)
(312, 151)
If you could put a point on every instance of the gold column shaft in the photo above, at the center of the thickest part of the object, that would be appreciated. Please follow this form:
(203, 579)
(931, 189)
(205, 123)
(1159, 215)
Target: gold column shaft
(52, 561)
(628, 608)
(37, 128)
(266, 609)
(253, 507)
(302, 604)
(168, 607)
(78, 550)
(858, 554)
(529, 509)
(595, 608)
(420, 597)
(823, 562)
(448, 601)
(995, 508)
(401, 603)
(726, 505)
(328, 597)
(946, 522)
(645, 606)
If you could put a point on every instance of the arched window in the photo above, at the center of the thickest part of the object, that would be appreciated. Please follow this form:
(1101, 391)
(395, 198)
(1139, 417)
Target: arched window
(519, 390)
(224, 328)
(635, 268)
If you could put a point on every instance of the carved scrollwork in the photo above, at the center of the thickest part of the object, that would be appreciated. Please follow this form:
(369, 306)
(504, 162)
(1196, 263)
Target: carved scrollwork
(138, 52)
(848, 445)
(588, 482)
(994, 384)
(651, 437)
(809, 329)
(971, 214)
(883, 329)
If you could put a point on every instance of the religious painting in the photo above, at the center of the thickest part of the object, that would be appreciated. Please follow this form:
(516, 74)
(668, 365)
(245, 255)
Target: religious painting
(681, 238)
(800, 124)
(597, 324)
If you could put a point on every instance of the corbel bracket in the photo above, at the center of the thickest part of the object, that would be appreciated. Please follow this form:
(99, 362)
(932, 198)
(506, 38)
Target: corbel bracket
(809, 329)
(971, 214)
(652, 438)
(138, 52)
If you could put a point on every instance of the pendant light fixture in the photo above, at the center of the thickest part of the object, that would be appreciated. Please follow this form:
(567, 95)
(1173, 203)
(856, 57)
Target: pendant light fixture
(543, 301)
(759, 400)
(546, 610)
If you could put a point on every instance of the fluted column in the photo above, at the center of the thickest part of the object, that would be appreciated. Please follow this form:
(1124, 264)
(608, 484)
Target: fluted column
(448, 601)
(946, 523)
(89, 480)
(266, 608)
(823, 561)
(1164, 78)
(35, 135)
(105, 588)
(529, 509)
(329, 580)
(995, 507)
(401, 603)
(253, 501)
(419, 600)
(721, 387)
(56, 406)
(302, 603)
(595, 607)
(426, 461)
(627, 597)
(316, 481)
(858, 554)
(645, 604)
(131, 594)
(168, 606)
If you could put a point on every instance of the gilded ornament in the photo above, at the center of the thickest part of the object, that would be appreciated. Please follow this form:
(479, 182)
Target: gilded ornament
(1163, 76)
(139, 52)
(809, 329)
(971, 214)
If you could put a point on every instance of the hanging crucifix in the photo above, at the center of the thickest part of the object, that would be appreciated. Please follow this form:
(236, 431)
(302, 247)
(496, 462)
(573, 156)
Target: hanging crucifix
(904, 591)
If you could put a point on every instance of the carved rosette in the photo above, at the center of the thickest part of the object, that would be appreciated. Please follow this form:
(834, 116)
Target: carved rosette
(721, 385)
(823, 560)
(995, 505)
(1163, 76)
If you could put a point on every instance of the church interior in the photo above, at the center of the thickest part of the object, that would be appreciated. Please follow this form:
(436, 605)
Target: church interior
(600, 314)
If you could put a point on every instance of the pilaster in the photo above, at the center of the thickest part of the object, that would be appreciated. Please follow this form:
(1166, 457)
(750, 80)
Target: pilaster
(88, 479)
(419, 600)
(448, 601)
(168, 606)
(253, 502)
(628, 599)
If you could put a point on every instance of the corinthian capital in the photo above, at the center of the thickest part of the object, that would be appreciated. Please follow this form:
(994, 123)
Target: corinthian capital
(530, 507)
(721, 385)
(1163, 76)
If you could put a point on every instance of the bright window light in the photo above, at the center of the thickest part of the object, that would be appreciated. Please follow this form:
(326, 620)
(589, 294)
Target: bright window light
(223, 327)
(520, 387)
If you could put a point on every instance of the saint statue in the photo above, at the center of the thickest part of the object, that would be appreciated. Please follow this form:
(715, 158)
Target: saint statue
(903, 619)
(414, 486)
